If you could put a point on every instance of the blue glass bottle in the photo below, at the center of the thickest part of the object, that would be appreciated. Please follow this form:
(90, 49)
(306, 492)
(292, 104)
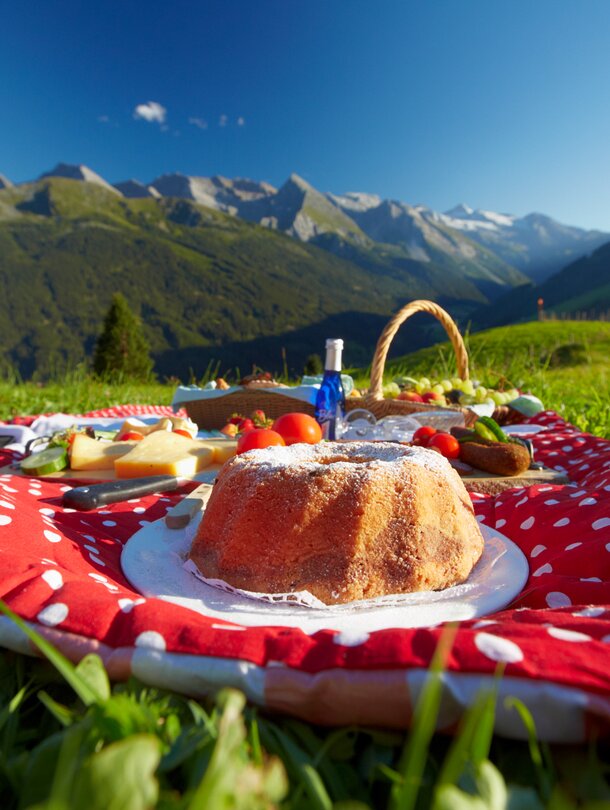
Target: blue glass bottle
(330, 401)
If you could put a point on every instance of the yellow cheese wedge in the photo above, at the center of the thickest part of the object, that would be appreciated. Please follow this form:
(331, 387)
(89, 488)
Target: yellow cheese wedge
(164, 423)
(164, 453)
(93, 454)
(134, 424)
(223, 449)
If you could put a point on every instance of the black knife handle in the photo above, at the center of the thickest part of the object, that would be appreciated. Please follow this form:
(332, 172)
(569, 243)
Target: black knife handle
(94, 495)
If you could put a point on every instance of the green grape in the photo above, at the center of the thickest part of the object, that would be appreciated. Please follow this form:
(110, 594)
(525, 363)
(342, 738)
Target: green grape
(466, 399)
(456, 382)
(438, 389)
(391, 390)
(497, 397)
(425, 382)
(420, 388)
(468, 388)
(447, 385)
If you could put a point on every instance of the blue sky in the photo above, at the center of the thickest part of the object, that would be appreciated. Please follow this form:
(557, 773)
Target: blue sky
(502, 105)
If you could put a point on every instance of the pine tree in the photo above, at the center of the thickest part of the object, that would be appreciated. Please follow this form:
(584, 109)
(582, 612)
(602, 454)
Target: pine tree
(313, 365)
(122, 351)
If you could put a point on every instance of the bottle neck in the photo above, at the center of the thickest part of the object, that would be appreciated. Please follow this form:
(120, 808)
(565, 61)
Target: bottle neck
(333, 360)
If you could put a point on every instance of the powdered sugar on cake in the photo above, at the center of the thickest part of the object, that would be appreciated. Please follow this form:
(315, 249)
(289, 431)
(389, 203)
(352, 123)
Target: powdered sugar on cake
(362, 453)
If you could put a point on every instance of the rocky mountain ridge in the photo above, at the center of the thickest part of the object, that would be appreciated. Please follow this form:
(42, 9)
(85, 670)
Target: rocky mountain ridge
(498, 250)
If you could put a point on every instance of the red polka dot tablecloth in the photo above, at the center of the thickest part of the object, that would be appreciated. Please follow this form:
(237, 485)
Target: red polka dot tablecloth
(61, 572)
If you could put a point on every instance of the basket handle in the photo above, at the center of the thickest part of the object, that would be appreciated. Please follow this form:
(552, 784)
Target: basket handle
(386, 337)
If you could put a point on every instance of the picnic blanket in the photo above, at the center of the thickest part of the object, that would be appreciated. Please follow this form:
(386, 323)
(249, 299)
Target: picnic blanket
(60, 571)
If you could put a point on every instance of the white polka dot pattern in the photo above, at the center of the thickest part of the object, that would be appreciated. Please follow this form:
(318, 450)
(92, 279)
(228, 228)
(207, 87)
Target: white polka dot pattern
(602, 523)
(351, 638)
(54, 614)
(151, 640)
(562, 609)
(127, 605)
(498, 649)
(562, 634)
(53, 579)
(557, 599)
(527, 524)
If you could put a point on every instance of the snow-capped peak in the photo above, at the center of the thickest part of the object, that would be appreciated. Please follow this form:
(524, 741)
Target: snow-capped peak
(460, 211)
(355, 200)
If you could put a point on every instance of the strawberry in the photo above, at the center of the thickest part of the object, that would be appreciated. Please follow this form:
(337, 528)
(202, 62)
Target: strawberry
(229, 429)
(260, 420)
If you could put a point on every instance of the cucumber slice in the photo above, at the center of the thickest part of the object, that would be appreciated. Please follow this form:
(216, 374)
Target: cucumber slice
(51, 460)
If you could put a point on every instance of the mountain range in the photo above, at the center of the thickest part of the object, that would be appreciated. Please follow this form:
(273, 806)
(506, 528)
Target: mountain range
(249, 270)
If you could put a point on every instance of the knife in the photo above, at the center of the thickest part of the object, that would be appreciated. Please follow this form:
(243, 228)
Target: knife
(94, 495)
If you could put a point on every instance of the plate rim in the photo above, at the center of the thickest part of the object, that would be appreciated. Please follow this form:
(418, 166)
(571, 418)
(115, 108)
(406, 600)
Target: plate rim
(139, 545)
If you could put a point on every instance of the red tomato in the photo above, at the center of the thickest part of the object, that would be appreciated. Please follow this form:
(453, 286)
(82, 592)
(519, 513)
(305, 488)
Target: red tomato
(422, 435)
(446, 444)
(298, 427)
(130, 436)
(182, 432)
(258, 439)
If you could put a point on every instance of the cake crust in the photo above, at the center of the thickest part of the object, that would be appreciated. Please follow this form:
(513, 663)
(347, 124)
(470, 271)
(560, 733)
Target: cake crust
(344, 521)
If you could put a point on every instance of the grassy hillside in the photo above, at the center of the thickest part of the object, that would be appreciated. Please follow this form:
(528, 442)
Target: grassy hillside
(209, 287)
(565, 363)
(582, 286)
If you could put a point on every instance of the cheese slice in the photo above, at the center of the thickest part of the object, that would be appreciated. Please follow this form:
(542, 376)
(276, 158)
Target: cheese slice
(223, 449)
(95, 454)
(164, 453)
(164, 423)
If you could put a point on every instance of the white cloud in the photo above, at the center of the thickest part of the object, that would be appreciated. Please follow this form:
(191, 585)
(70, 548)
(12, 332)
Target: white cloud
(241, 121)
(222, 121)
(199, 123)
(151, 111)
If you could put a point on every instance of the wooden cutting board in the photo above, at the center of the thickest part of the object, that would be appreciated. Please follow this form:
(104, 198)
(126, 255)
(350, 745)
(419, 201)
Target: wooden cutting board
(478, 481)
(96, 476)
(489, 484)
(91, 476)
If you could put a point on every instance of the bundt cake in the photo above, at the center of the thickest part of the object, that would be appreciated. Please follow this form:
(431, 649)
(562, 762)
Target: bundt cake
(344, 521)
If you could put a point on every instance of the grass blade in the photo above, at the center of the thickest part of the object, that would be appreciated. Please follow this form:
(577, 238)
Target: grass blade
(414, 755)
(544, 775)
(299, 764)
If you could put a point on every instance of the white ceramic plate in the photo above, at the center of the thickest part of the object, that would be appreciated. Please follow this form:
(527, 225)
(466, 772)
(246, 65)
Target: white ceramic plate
(153, 559)
(523, 430)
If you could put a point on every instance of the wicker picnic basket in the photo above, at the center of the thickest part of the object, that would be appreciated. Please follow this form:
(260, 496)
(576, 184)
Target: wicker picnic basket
(374, 400)
(211, 413)
(214, 412)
